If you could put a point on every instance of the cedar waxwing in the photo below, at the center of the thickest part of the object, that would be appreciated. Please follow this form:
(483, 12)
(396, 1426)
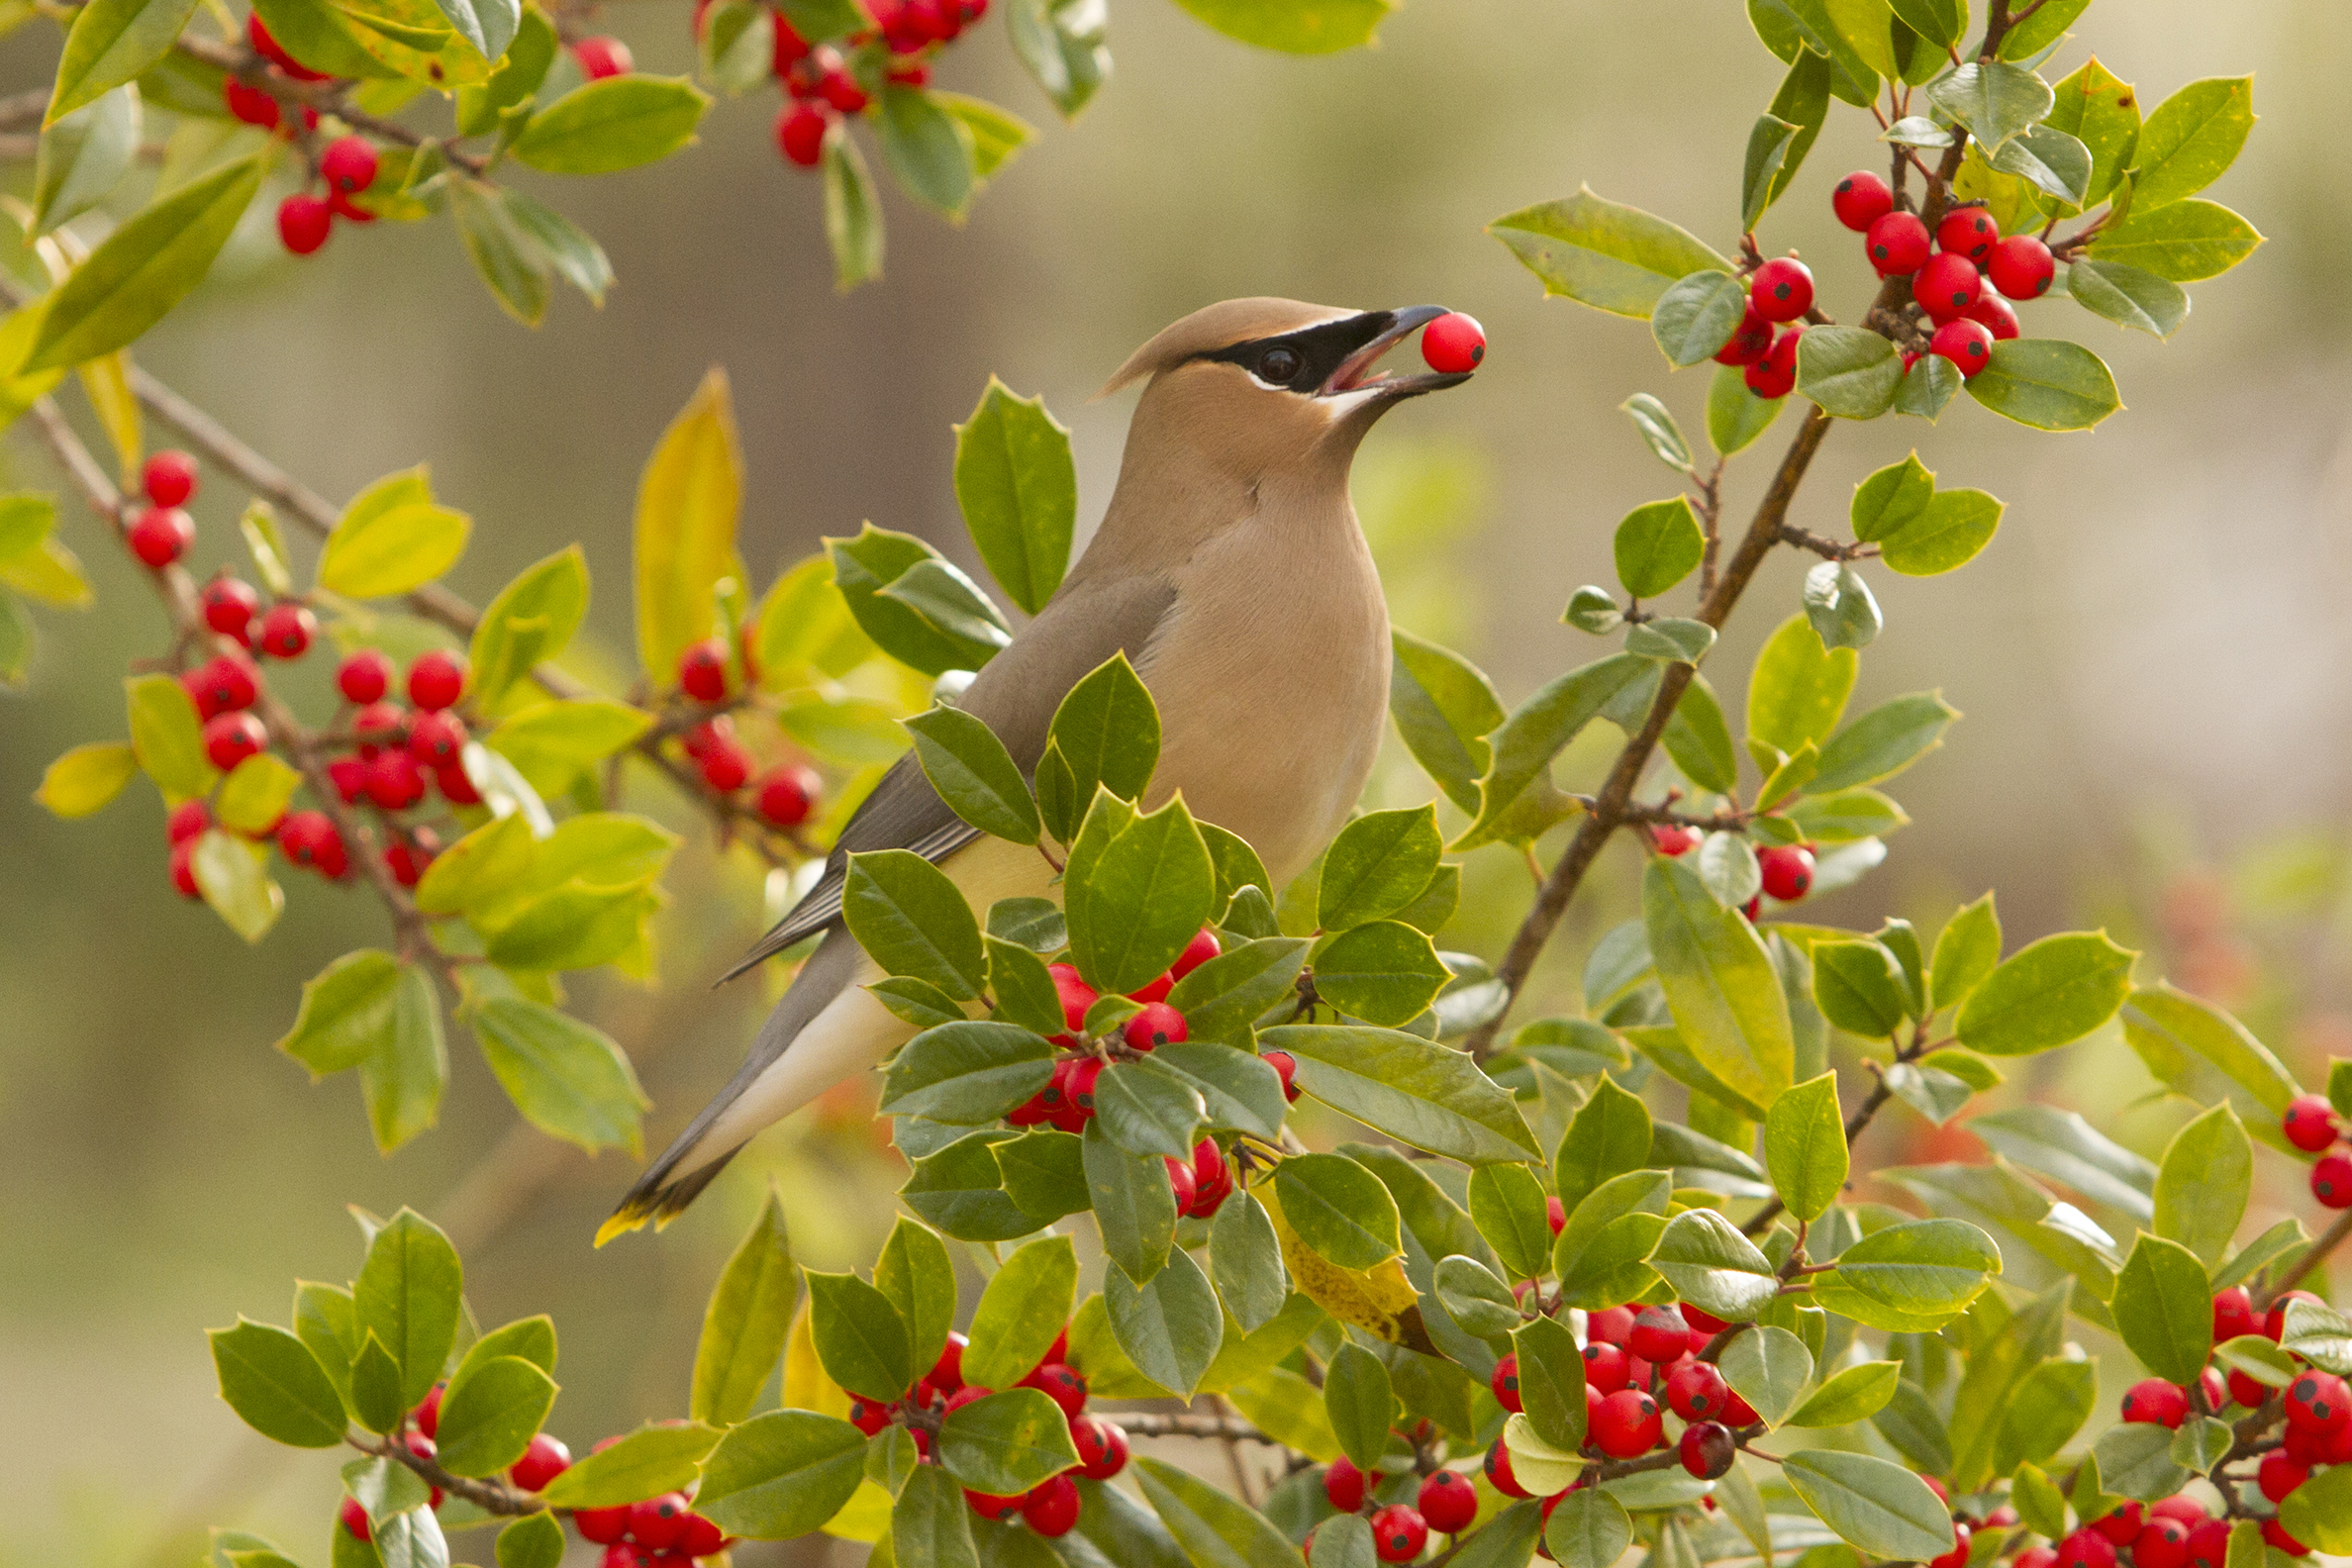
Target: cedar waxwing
(1230, 571)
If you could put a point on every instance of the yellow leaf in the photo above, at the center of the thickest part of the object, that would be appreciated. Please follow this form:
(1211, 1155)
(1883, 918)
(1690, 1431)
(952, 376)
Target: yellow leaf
(86, 778)
(864, 1517)
(686, 510)
(107, 382)
(1379, 1301)
(806, 1387)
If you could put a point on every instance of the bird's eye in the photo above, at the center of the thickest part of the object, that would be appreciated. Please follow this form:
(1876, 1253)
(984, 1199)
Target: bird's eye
(1279, 366)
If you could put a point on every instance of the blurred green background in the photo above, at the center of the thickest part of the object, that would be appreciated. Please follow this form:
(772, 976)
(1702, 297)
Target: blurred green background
(2149, 655)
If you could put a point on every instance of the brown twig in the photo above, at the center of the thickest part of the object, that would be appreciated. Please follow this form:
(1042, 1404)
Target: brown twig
(493, 1497)
(2329, 1239)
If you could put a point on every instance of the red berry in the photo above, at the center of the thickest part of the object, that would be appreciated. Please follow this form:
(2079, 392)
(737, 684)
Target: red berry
(1996, 314)
(2180, 1506)
(1066, 1384)
(1782, 289)
(1505, 1383)
(1498, 1471)
(2274, 1321)
(1080, 1087)
(160, 535)
(1610, 1326)
(1968, 231)
(354, 1518)
(304, 222)
(1674, 840)
(1453, 343)
(394, 781)
(868, 1415)
(702, 670)
(800, 134)
(1775, 375)
(1102, 1447)
(1706, 1449)
(2310, 1124)
(1180, 1182)
(272, 50)
(2085, 1548)
(1626, 1424)
(183, 868)
(2216, 1391)
(1157, 1025)
(724, 766)
(1946, 285)
(436, 739)
(1898, 243)
(378, 725)
(455, 787)
(2021, 268)
(601, 56)
(2208, 1546)
(1659, 1334)
(1448, 1502)
(605, 1526)
(364, 676)
(2276, 1534)
(435, 680)
(1695, 1391)
(1284, 1065)
(542, 1462)
(1860, 200)
(658, 1521)
(788, 795)
(790, 45)
(700, 1538)
(253, 105)
(840, 89)
(1399, 1533)
(2318, 1403)
(1787, 871)
(287, 629)
(168, 478)
(947, 1373)
(2278, 1474)
(2332, 1181)
(1606, 1367)
(1203, 948)
(349, 164)
(231, 737)
(1555, 1213)
(2122, 1526)
(229, 604)
(2153, 1401)
(1957, 1557)
(1053, 1507)
(2246, 1391)
(1343, 1485)
(188, 819)
(407, 858)
(1967, 345)
(427, 1415)
(1750, 341)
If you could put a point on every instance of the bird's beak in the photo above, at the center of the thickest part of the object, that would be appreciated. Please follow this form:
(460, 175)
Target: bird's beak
(1358, 377)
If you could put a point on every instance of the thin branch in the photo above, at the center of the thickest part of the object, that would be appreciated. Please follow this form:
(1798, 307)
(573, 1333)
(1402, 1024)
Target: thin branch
(1184, 1423)
(493, 1497)
(2314, 1255)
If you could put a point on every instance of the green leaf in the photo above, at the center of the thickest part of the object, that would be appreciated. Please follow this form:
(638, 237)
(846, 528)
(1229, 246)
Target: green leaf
(1884, 741)
(688, 501)
(997, 135)
(1994, 100)
(1658, 430)
(917, 1275)
(2046, 383)
(2177, 1035)
(1134, 1206)
(229, 874)
(1060, 42)
(1211, 1528)
(568, 1078)
(489, 1413)
(2182, 242)
(745, 1326)
(1376, 866)
(1506, 1206)
(85, 153)
(1245, 1262)
(2045, 995)
(2102, 113)
(974, 774)
(927, 149)
(1720, 983)
(1712, 1267)
(1921, 1269)
(1892, 498)
(966, 1073)
(1386, 973)
(1417, 1091)
(1472, 1295)
(1966, 952)
(1025, 1304)
(1699, 740)
(781, 1474)
(1840, 606)
(1849, 371)
(1876, 1507)
(255, 794)
(2319, 1512)
(1855, 1394)
(931, 1524)
(647, 1462)
(2136, 1461)
(1588, 1529)
(862, 1341)
(1019, 490)
(1769, 1367)
(1294, 27)
(1804, 1144)
(1540, 728)
(143, 270)
(276, 1386)
(408, 1295)
(1945, 536)
(1340, 1210)
(2163, 1308)
(1223, 997)
(2128, 296)
(2049, 160)
(1698, 314)
(1551, 1374)
(1736, 416)
(2189, 140)
(375, 1387)
(1005, 1443)
(553, 744)
(167, 737)
(1768, 147)
(110, 42)
(1659, 545)
(1108, 732)
(532, 620)
(1858, 986)
(617, 123)
(1798, 687)
(853, 211)
(2205, 1181)
(1611, 1136)
(1170, 1326)
(1596, 253)
(391, 540)
(535, 1540)
(912, 920)
(2043, 1411)
(1141, 901)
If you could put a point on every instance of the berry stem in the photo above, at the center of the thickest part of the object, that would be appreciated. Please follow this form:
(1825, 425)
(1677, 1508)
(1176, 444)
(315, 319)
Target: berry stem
(495, 1497)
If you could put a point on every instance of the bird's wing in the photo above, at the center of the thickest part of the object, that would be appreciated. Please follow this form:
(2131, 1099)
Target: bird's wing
(1016, 696)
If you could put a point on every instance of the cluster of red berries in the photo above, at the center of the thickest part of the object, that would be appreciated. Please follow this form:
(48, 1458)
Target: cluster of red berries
(346, 167)
(399, 752)
(2171, 1532)
(785, 796)
(2311, 1125)
(1948, 286)
(1051, 1506)
(1788, 869)
(1445, 1502)
(1780, 292)
(821, 85)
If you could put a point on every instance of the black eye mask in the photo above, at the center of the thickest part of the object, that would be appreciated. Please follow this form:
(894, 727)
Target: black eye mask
(1309, 356)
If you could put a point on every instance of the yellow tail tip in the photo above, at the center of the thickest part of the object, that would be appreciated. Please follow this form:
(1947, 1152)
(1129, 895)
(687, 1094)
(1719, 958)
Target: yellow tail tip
(620, 1225)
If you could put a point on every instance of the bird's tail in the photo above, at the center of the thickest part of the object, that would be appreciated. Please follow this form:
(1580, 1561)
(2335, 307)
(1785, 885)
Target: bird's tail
(698, 1155)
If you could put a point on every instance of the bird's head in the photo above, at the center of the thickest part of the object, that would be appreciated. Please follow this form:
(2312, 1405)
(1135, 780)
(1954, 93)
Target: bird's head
(1269, 382)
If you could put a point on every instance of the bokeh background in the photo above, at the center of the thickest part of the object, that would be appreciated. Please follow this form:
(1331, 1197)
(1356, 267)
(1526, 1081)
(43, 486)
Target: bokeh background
(2150, 655)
